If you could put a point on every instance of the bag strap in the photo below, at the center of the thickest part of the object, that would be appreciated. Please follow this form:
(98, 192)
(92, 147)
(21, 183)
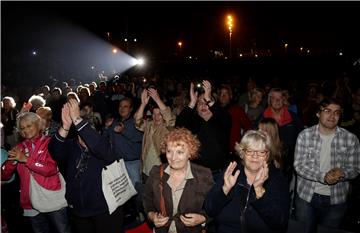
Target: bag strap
(161, 186)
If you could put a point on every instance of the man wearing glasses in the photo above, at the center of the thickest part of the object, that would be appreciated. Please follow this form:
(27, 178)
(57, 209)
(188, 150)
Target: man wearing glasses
(326, 158)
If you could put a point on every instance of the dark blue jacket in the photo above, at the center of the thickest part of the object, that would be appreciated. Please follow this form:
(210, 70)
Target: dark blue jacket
(270, 213)
(128, 143)
(83, 189)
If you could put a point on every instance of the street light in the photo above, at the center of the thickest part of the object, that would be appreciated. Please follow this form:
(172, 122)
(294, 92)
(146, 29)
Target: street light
(230, 26)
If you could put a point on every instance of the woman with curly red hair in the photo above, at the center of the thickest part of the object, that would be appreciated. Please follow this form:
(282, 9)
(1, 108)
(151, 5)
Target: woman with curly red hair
(174, 192)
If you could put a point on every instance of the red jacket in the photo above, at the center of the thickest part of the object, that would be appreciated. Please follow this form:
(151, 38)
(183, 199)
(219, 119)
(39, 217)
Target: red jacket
(43, 168)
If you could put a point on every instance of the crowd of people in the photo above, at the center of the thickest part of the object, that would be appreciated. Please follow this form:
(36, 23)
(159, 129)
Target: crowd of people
(202, 157)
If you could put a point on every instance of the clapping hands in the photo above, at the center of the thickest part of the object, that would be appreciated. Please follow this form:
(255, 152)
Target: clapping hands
(229, 178)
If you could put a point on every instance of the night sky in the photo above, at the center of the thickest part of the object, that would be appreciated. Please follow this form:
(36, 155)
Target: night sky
(200, 25)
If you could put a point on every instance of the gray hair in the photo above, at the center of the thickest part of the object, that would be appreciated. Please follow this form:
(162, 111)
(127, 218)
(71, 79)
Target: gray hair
(253, 137)
(37, 100)
(11, 100)
(30, 117)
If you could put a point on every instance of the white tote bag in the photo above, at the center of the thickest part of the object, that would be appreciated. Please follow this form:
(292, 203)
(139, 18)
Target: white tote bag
(44, 200)
(116, 185)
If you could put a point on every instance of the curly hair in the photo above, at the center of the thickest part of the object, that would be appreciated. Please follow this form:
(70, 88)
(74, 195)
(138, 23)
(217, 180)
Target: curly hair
(182, 135)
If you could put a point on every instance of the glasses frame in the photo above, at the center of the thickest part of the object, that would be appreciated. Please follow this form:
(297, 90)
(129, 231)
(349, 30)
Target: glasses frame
(328, 111)
(252, 153)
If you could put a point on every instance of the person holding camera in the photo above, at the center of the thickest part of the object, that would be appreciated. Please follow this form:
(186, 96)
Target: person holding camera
(212, 125)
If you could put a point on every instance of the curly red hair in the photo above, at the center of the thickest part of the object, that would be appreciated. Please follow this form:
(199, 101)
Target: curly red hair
(184, 135)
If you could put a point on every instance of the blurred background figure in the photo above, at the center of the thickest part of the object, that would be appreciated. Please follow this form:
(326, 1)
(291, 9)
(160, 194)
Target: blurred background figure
(8, 119)
(50, 127)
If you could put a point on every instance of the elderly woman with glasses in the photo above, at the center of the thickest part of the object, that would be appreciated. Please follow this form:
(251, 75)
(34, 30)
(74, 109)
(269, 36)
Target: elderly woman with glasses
(253, 196)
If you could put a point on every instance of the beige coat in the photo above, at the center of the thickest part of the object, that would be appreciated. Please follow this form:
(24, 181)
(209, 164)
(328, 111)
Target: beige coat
(159, 131)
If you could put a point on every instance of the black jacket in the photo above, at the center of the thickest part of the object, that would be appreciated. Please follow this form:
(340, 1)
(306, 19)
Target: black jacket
(213, 134)
(270, 213)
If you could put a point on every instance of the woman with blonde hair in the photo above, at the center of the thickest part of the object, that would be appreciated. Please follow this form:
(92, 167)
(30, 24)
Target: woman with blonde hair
(32, 161)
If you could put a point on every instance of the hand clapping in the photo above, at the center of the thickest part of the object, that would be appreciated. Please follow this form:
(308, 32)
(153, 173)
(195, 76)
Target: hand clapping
(229, 178)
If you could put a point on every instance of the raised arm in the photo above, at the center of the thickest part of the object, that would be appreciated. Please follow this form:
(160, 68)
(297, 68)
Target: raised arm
(138, 116)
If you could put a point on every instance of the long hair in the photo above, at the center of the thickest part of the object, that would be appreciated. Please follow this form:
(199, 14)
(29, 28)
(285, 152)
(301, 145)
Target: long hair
(271, 127)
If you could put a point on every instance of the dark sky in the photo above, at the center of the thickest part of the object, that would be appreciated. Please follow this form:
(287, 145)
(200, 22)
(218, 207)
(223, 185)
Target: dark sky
(200, 25)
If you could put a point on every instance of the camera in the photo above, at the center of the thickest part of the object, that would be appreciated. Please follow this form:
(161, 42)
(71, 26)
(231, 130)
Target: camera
(198, 87)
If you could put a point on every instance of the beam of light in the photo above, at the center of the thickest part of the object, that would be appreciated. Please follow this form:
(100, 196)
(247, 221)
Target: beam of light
(68, 51)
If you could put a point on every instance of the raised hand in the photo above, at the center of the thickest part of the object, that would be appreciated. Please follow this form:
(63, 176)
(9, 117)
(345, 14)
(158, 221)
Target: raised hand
(74, 109)
(261, 176)
(207, 88)
(229, 178)
(192, 219)
(145, 97)
(65, 117)
(193, 95)
(154, 94)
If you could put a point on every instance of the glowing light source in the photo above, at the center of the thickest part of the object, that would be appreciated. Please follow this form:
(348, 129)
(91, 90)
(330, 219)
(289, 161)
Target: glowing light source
(230, 26)
(114, 50)
(138, 61)
(34, 53)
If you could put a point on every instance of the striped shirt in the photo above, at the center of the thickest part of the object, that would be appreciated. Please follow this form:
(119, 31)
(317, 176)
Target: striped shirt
(345, 154)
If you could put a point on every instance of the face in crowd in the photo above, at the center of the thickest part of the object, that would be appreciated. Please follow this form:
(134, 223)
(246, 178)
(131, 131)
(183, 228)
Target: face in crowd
(224, 97)
(202, 108)
(156, 116)
(254, 150)
(329, 116)
(125, 108)
(29, 125)
(177, 155)
(276, 100)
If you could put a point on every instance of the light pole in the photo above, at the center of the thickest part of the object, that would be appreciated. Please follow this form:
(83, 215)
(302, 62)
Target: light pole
(230, 26)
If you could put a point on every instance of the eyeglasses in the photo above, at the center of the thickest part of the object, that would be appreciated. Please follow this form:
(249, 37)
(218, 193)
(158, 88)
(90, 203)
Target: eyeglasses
(259, 153)
(328, 111)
